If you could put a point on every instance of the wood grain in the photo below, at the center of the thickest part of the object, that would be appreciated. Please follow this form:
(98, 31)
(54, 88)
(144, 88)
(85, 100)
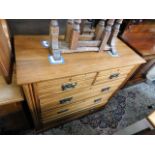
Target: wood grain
(42, 82)
(49, 100)
(9, 93)
(5, 51)
(33, 65)
(142, 42)
(32, 106)
(141, 38)
(89, 103)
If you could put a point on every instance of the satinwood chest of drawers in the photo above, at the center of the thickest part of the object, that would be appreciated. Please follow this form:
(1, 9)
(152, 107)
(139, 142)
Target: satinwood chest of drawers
(83, 84)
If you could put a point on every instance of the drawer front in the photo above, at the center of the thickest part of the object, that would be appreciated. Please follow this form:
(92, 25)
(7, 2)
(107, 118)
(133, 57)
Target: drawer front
(113, 74)
(74, 108)
(63, 99)
(65, 84)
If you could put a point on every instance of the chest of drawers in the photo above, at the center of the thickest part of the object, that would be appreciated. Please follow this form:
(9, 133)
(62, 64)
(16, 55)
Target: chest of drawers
(83, 84)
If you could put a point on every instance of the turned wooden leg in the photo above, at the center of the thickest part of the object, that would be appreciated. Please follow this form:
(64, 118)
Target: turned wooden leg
(54, 40)
(75, 34)
(54, 35)
(69, 29)
(115, 32)
(106, 34)
(99, 29)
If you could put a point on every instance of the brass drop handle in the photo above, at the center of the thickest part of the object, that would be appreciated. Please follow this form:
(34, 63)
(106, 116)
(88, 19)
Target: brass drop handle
(62, 111)
(69, 85)
(66, 100)
(96, 101)
(115, 75)
(105, 89)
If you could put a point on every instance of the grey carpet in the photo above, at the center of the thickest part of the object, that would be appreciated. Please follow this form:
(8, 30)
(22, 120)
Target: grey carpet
(126, 107)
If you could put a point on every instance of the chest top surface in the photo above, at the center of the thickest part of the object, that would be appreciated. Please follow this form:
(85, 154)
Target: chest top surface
(32, 63)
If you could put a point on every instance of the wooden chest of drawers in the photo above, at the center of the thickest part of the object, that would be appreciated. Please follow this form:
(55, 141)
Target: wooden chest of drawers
(85, 83)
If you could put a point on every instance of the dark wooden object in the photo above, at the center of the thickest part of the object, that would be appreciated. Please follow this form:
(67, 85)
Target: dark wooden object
(141, 38)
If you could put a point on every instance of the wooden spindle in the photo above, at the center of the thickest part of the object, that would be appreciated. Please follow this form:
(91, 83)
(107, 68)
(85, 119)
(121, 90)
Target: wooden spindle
(54, 35)
(82, 25)
(106, 34)
(99, 29)
(77, 21)
(54, 40)
(69, 29)
(115, 32)
(75, 35)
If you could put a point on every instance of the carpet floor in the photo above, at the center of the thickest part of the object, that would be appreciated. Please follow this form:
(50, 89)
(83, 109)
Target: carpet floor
(129, 105)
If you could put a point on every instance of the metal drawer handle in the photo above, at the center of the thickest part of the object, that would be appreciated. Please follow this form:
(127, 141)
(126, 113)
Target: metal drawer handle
(66, 100)
(65, 110)
(97, 100)
(115, 75)
(67, 86)
(105, 89)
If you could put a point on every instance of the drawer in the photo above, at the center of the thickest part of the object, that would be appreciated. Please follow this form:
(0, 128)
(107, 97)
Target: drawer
(65, 84)
(63, 99)
(112, 74)
(74, 108)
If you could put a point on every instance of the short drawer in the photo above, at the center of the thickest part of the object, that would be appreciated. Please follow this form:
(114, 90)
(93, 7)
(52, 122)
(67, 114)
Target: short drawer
(63, 99)
(112, 74)
(65, 84)
(74, 108)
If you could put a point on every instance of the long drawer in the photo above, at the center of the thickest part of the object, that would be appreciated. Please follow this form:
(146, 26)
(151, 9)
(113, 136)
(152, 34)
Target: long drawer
(65, 84)
(112, 74)
(62, 99)
(72, 116)
(70, 109)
